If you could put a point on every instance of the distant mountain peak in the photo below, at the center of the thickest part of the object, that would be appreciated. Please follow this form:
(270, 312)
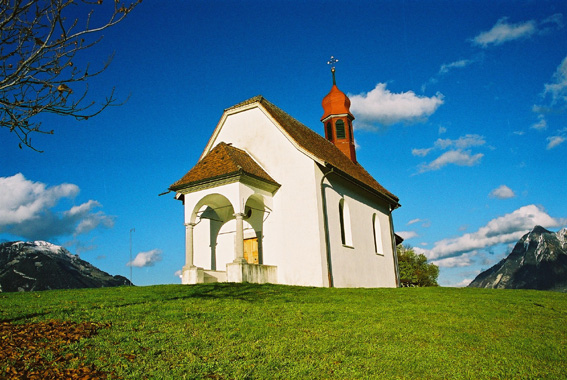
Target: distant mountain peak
(539, 230)
(40, 265)
(537, 261)
(562, 237)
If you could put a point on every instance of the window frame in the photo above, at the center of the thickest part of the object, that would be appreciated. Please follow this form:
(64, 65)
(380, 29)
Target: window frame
(342, 135)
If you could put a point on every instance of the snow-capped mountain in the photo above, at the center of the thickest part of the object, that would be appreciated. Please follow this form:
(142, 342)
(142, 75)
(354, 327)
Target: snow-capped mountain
(538, 261)
(39, 265)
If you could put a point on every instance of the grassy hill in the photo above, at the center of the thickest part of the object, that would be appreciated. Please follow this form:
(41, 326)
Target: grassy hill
(243, 331)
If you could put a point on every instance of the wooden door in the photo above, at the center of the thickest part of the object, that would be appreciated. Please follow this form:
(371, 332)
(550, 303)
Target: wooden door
(251, 251)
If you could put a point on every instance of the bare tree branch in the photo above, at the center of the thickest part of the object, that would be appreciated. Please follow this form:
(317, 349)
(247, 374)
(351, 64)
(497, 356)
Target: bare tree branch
(38, 66)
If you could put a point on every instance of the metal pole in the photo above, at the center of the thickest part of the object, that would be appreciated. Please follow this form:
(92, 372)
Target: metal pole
(131, 230)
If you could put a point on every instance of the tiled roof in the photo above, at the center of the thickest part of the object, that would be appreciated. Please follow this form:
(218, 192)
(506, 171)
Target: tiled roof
(318, 146)
(225, 160)
(222, 162)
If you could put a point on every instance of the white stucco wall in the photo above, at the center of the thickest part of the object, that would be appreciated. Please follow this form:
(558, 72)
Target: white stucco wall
(291, 230)
(359, 265)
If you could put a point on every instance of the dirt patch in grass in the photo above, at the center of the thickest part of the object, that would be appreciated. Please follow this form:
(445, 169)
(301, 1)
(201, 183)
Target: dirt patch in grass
(37, 350)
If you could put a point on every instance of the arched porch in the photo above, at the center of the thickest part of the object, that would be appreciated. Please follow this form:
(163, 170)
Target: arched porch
(224, 235)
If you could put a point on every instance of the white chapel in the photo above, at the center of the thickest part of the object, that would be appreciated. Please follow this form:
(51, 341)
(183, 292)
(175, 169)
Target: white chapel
(272, 201)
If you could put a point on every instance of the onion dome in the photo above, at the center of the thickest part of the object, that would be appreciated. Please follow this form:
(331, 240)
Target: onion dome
(335, 103)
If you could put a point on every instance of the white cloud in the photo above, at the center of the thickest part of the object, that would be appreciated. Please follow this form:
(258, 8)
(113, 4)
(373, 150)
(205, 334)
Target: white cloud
(384, 107)
(145, 259)
(454, 262)
(555, 97)
(505, 229)
(26, 210)
(462, 284)
(446, 67)
(502, 192)
(406, 235)
(553, 141)
(462, 142)
(92, 221)
(557, 89)
(503, 31)
(421, 152)
(456, 157)
(424, 222)
(22, 200)
(541, 123)
(559, 138)
(556, 19)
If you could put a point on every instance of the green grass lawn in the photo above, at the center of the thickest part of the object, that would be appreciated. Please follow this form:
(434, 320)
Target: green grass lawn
(244, 331)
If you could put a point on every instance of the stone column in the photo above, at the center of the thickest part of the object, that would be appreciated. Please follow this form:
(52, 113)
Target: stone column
(239, 239)
(190, 274)
(189, 244)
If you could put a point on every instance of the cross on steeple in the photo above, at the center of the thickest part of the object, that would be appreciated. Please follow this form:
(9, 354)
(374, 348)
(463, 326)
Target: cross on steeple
(332, 62)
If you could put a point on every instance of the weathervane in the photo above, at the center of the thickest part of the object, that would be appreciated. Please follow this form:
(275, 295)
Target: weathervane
(332, 62)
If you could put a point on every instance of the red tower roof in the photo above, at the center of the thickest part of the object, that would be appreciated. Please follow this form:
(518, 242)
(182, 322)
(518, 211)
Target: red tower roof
(335, 103)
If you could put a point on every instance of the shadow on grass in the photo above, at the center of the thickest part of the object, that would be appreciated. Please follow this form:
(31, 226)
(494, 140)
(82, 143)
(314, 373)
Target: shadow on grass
(238, 291)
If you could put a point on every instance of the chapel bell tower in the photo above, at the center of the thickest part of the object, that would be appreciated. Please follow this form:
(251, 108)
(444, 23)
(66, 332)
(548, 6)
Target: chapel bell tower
(337, 119)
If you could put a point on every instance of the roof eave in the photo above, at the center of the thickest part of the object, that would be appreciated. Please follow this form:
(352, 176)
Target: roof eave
(236, 176)
(393, 201)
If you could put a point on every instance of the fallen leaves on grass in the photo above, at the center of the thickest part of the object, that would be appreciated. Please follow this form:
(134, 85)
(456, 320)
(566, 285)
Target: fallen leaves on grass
(36, 350)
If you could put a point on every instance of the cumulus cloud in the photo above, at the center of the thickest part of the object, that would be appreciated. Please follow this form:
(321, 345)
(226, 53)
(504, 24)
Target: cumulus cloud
(502, 192)
(454, 262)
(464, 283)
(502, 230)
(406, 235)
(463, 142)
(22, 200)
(380, 106)
(146, 259)
(26, 210)
(457, 155)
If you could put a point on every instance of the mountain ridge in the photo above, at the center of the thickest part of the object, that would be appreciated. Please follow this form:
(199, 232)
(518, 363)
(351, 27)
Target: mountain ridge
(40, 265)
(537, 261)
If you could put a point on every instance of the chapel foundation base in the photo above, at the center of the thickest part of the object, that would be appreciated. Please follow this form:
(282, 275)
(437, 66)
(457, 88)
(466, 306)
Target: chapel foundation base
(252, 273)
(192, 275)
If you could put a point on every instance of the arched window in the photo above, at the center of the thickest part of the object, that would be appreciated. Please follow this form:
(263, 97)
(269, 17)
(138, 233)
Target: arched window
(329, 131)
(344, 216)
(340, 129)
(377, 234)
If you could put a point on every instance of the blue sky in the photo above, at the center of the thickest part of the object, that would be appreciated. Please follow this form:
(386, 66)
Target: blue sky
(460, 111)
